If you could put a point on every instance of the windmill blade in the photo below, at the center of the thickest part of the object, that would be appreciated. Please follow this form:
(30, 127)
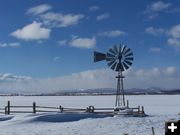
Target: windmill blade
(115, 49)
(125, 65)
(112, 51)
(127, 51)
(120, 47)
(129, 58)
(110, 63)
(114, 65)
(124, 49)
(128, 62)
(99, 56)
(127, 55)
(110, 55)
(119, 67)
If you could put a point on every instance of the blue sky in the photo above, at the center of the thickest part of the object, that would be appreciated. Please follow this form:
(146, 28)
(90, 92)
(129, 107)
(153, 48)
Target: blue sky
(47, 40)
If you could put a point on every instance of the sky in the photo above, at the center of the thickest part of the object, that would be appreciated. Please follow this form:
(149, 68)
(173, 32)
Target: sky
(48, 45)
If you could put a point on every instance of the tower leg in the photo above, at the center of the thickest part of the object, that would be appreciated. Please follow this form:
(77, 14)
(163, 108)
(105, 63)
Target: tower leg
(118, 93)
(122, 88)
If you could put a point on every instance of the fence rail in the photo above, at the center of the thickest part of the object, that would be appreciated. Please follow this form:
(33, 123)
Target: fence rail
(47, 107)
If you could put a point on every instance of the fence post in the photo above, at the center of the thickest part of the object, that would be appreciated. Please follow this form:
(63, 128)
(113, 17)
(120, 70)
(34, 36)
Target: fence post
(138, 109)
(5, 109)
(8, 107)
(34, 107)
(153, 130)
(61, 108)
(142, 109)
(127, 103)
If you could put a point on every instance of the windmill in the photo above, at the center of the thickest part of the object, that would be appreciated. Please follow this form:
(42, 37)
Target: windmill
(119, 58)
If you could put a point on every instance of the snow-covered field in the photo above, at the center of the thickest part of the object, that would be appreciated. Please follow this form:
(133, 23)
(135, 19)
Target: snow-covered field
(159, 108)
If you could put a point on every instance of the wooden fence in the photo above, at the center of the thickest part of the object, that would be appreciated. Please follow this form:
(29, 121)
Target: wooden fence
(11, 109)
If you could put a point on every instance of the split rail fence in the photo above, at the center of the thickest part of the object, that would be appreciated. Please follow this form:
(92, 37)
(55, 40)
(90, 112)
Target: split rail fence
(11, 109)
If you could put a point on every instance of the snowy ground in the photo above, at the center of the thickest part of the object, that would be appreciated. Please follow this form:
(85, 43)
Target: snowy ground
(159, 107)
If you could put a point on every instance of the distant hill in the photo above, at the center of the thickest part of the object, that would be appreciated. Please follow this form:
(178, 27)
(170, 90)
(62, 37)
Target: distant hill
(102, 91)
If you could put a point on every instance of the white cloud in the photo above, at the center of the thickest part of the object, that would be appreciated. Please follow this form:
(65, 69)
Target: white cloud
(153, 16)
(52, 19)
(33, 31)
(113, 33)
(166, 73)
(172, 71)
(174, 10)
(174, 41)
(62, 42)
(86, 79)
(60, 20)
(155, 31)
(94, 8)
(174, 36)
(167, 77)
(56, 58)
(79, 42)
(175, 31)
(13, 78)
(39, 9)
(155, 50)
(159, 77)
(155, 8)
(11, 45)
(83, 42)
(158, 6)
(103, 17)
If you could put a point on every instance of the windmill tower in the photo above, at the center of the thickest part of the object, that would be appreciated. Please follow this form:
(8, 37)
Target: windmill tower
(119, 58)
